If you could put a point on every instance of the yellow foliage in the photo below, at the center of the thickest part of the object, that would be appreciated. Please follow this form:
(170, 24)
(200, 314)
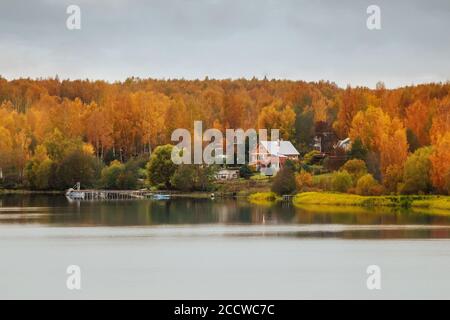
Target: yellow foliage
(303, 180)
(264, 198)
(440, 164)
(88, 149)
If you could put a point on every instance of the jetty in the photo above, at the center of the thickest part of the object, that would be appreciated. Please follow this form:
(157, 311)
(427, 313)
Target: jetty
(107, 194)
(76, 193)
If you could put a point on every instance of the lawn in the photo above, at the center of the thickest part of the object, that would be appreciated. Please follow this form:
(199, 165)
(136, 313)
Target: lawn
(342, 199)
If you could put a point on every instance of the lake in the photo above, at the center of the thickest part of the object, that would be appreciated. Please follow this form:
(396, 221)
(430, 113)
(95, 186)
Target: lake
(218, 249)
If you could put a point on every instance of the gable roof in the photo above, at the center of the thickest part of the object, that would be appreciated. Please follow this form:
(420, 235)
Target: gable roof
(280, 148)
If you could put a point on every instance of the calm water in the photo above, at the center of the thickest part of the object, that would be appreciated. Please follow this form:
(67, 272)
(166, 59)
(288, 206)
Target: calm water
(202, 249)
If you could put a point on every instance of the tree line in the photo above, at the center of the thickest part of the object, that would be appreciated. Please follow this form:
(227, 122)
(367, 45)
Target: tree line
(51, 128)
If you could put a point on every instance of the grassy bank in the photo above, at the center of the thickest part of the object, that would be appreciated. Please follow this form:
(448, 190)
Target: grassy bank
(264, 198)
(442, 203)
(243, 187)
(341, 199)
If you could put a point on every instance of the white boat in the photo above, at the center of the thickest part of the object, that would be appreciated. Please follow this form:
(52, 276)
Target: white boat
(160, 196)
(75, 194)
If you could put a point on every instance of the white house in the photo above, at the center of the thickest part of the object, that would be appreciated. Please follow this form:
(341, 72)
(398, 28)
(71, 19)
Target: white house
(345, 144)
(227, 174)
(270, 156)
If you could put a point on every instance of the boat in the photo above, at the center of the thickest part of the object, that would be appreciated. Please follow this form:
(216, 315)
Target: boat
(159, 196)
(75, 193)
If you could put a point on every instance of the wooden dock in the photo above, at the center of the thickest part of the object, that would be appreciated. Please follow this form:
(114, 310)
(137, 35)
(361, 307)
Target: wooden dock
(107, 194)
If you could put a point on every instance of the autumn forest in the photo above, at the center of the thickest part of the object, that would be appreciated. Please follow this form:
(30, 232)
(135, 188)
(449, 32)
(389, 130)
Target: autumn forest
(49, 126)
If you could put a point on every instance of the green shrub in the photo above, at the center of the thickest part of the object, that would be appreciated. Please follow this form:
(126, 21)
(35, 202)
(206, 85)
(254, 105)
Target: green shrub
(416, 173)
(38, 169)
(110, 174)
(308, 158)
(183, 178)
(284, 182)
(368, 186)
(118, 176)
(245, 172)
(342, 181)
(160, 168)
(263, 197)
(356, 168)
(77, 166)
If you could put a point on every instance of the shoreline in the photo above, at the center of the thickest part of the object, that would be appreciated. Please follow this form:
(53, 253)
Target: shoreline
(441, 202)
(324, 199)
(24, 192)
(173, 194)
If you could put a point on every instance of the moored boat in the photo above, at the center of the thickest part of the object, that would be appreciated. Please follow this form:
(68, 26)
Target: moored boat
(159, 196)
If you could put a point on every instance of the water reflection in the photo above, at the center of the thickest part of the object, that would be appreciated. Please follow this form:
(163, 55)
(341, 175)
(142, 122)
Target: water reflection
(57, 211)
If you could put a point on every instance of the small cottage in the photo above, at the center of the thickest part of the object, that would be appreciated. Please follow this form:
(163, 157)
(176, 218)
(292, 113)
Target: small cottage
(227, 174)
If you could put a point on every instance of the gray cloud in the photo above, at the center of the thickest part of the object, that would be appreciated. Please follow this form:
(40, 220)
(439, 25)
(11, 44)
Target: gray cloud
(294, 39)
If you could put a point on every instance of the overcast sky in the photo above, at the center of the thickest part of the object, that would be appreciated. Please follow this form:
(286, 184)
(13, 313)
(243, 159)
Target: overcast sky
(287, 39)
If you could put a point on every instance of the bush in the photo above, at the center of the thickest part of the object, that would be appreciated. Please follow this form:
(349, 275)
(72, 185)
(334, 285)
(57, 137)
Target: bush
(303, 180)
(416, 174)
(110, 174)
(356, 168)
(308, 158)
(294, 165)
(118, 176)
(38, 170)
(245, 172)
(284, 182)
(183, 178)
(77, 166)
(323, 181)
(368, 186)
(392, 178)
(160, 168)
(342, 181)
(263, 197)
(204, 177)
(42, 175)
